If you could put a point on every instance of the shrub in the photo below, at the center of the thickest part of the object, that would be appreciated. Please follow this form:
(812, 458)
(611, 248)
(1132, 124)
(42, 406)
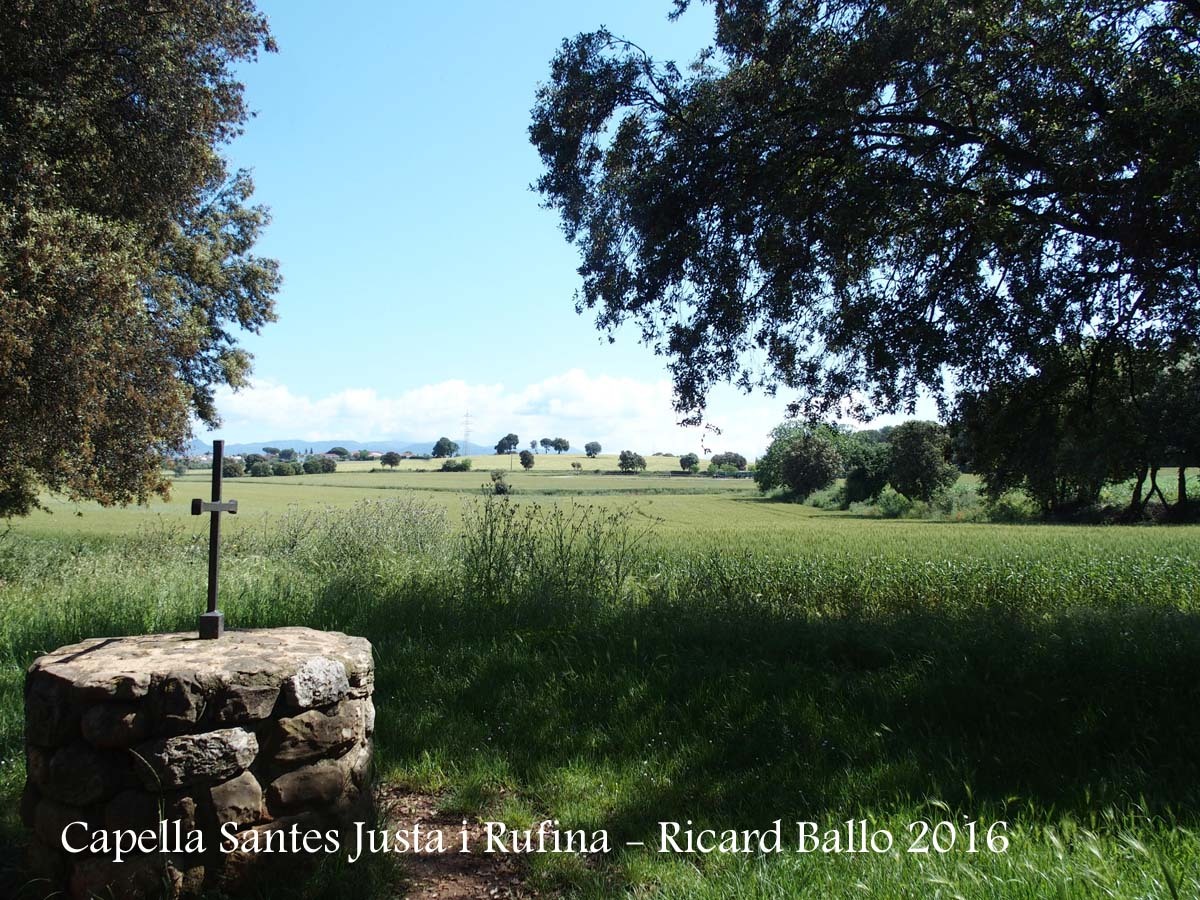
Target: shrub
(689, 462)
(1012, 507)
(319, 465)
(284, 468)
(729, 459)
(232, 468)
(260, 469)
(892, 504)
(462, 464)
(500, 485)
(527, 460)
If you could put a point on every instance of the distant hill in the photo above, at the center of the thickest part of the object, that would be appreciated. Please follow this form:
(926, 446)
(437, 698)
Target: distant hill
(400, 446)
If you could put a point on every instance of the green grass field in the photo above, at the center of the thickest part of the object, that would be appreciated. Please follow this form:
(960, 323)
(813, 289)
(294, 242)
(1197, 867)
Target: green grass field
(684, 649)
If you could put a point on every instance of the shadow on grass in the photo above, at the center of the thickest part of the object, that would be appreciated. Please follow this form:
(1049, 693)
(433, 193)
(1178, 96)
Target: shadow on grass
(737, 716)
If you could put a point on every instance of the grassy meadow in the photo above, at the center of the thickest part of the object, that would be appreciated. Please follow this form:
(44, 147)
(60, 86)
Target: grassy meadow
(612, 651)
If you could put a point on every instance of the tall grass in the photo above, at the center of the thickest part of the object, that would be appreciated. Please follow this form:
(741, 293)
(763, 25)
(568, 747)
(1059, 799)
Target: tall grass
(569, 662)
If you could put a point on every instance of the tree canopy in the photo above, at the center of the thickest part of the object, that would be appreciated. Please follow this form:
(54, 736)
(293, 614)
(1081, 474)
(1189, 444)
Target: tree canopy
(444, 448)
(872, 199)
(126, 262)
(507, 444)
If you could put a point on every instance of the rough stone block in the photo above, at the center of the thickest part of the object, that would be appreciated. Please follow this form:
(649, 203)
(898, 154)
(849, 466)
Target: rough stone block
(238, 800)
(204, 759)
(81, 775)
(316, 734)
(318, 682)
(137, 878)
(114, 725)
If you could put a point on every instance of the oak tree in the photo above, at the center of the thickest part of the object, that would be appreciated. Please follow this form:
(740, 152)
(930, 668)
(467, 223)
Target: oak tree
(126, 244)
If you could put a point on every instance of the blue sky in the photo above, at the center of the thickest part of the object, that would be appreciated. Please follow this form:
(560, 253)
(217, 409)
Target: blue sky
(421, 277)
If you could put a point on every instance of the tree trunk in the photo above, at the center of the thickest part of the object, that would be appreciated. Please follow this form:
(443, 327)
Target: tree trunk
(1182, 498)
(1154, 488)
(1135, 503)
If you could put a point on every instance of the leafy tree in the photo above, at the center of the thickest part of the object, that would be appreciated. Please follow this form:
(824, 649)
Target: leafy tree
(251, 458)
(319, 465)
(362, 455)
(527, 459)
(730, 459)
(339, 451)
(592, 449)
(271, 451)
(560, 445)
(547, 444)
(629, 461)
(180, 467)
(444, 448)
(507, 444)
(457, 465)
(286, 468)
(232, 468)
(874, 198)
(391, 459)
(287, 455)
(868, 464)
(689, 462)
(919, 466)
(809, 462)
(125, 243)
(533, 445)
(260, 469)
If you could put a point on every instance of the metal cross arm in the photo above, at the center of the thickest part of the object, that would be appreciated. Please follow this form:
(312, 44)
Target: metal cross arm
(207, 506)
(212, 622)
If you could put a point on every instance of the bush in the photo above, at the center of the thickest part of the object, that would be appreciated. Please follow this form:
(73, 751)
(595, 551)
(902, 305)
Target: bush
(892, 504)
(829, 498)
(286, 468)
(500, 485)
(689, 462)
(1012, 507)
(260, 469)
(527, 460)
(462, 464)
(232, 468)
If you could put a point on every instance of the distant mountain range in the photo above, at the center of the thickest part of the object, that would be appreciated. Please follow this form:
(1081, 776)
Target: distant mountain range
(400, 446)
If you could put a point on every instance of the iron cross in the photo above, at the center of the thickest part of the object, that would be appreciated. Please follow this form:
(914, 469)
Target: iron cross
(212, 623)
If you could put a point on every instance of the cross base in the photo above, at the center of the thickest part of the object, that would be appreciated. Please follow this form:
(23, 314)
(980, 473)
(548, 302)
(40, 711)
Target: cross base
(212, 625)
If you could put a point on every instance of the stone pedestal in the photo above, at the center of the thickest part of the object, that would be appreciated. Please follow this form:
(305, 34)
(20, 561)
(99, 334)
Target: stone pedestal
(217, 758)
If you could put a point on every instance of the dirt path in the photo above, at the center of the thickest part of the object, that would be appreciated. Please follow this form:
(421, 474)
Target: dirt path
(449, 875)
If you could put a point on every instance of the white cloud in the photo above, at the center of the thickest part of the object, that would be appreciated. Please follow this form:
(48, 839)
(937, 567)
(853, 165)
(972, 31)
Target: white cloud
(620, 413)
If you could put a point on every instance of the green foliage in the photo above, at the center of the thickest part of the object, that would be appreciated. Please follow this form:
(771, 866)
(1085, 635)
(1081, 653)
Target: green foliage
(251, 458)
(919, 466)
(286, 468)
(867, 469)
(689, 462)
(180, 467)
(444, 448)
(287, 455)
(560, 445)
(232, 468)
(319, 465)
(260, 469)
(628, 461)
(126, 263)
(527, 460)
(457, 465)
(592, 449)
(872, 200)
(507, 444)
(271, 451)
(808, 462)
(500, 485)
(390, 459)
(736, 460)
(339, 451)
